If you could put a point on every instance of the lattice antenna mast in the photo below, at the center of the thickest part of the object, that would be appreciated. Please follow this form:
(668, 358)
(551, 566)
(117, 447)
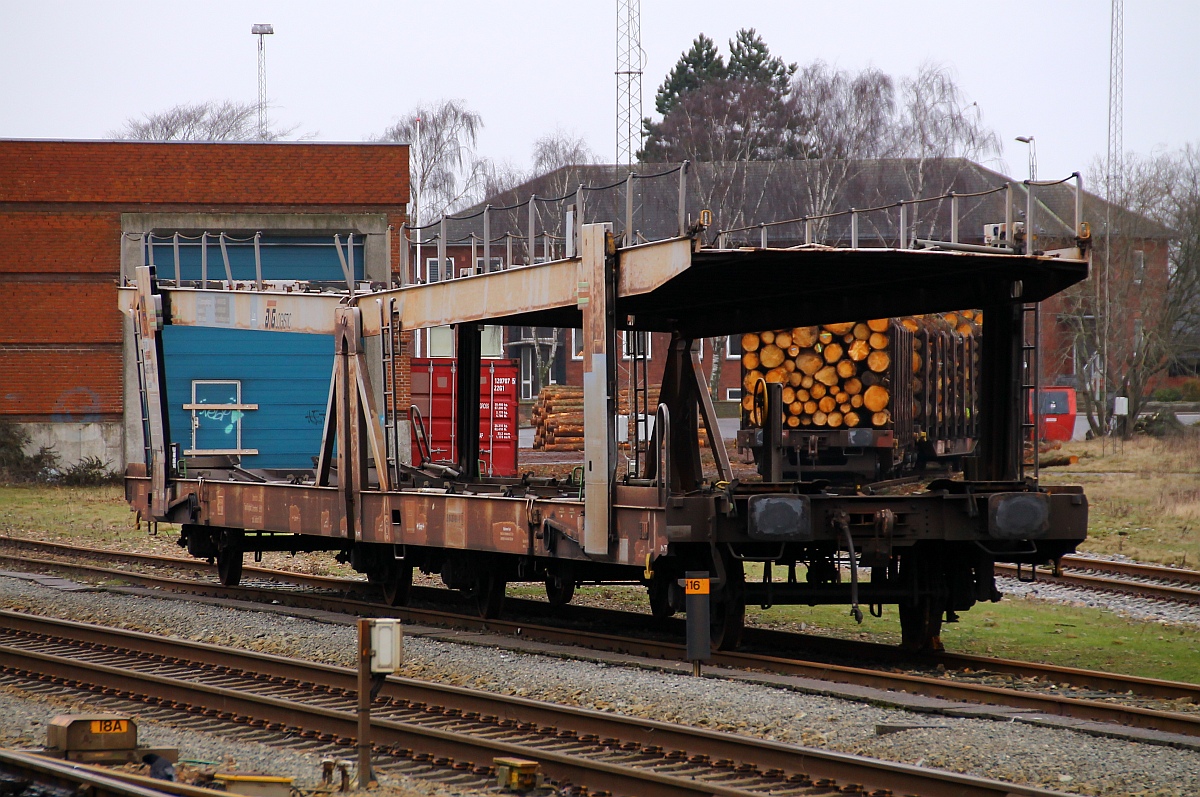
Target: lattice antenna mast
(1114, 179)
(260, 30)
(629, 82)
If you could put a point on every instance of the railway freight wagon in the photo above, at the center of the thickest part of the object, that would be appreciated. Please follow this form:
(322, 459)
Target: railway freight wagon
(865, 400)
(930, 551)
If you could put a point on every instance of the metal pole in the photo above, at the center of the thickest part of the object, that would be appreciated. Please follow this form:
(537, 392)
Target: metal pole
(903, 225)
(487, 239)
(762, 235)
(1008, 216)
(364, 703)
(257, 261)
(808, 231)
(578, 217)
(225, 258)
(350, 262)
(508, 241)
(1029, 247)
(175, 245)
(474, 269)
(629, 210)
(853, 228)
(441, 250)
(203, 257)
(683, 169)
(1078, 203)
(532, 240)
(953, 217)
(404, 256)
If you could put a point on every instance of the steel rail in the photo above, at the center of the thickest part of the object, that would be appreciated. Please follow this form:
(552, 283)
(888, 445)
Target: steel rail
(1139, 569)
(644, 739)
(1162, 592)
(82, 779)
(930, 686)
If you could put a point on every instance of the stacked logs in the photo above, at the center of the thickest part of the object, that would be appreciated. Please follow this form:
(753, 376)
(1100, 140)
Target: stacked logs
(841, 375)
(558, 417)
(833, 376)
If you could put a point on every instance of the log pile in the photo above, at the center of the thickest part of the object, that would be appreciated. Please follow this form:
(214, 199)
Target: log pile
(558, 417)
(846, 375)
(833, 376)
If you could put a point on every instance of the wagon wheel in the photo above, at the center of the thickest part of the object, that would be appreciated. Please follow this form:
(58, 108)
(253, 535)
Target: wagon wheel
(727, 607)
(397, 584)
(489, 594)
(921, 625)
(229, 566)
(559, 590)
(659, 590)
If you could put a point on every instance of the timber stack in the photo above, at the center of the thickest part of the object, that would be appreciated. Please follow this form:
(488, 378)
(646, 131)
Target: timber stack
(854, 374)
(558, 417)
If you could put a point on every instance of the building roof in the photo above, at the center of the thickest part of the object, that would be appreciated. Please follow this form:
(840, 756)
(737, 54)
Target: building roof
(745, 194)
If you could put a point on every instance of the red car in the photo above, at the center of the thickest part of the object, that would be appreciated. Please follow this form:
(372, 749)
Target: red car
(1058, 413)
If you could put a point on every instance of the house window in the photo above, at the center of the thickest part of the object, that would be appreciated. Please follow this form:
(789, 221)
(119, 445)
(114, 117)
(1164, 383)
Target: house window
(733, 394)
(1139, 266)
(436, 273)
(491, 344)
(632, 340)
(733, 347)
(497, 264)
(441, 341)
(576, 344)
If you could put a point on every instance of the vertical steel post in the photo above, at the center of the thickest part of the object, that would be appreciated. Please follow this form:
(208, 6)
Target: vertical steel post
(683, 169)
(953, 217)
(808, 231)
(699, 641)
(629, 210)
(441, 249)
(579, 214)
(203, 258)
(364, 703)
(508, 241)
(350, 262)
(762, 235)
(487, 239)
(1029, 247)
(1078, 203)
(474, 265)
(257, 263)
(225, 259)
(903, 225)
(1008, 216)
(175, 246)
(532, 246)
(150, 249)
(404, 256)
(853, 228)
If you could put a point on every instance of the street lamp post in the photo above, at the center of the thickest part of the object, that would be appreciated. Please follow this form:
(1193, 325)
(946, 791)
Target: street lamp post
(1032, 155)
(260, 30)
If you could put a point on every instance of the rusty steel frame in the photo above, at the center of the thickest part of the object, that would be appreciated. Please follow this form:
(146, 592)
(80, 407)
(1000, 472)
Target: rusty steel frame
(614, 530)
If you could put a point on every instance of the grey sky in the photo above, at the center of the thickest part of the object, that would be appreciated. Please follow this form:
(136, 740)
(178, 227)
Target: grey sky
(344, 71)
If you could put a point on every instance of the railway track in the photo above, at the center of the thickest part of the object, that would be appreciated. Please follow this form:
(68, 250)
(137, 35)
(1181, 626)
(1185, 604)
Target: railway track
(1130, 578)
(456, 729)
(25, 773)
(1099, 697)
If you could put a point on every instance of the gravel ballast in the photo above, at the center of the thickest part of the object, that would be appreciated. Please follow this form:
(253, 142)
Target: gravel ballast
(1021, 753)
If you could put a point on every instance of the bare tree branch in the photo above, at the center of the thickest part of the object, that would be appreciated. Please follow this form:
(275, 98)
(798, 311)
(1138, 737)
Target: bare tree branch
(203, 121)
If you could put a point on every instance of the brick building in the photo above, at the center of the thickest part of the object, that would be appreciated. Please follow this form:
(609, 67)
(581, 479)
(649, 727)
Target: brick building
(76, 218)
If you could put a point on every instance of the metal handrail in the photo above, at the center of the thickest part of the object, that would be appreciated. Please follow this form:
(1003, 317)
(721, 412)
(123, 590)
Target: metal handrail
(421, 435)
(662, 429)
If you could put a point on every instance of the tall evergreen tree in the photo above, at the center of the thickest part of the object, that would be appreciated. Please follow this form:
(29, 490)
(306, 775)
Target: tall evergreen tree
(699, 65)
(750, 60)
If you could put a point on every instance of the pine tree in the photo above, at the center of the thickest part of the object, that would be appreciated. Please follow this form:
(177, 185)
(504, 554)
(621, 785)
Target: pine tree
(750, 60)
(699, 65)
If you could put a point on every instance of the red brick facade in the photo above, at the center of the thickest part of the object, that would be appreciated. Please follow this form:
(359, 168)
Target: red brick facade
(60, 242)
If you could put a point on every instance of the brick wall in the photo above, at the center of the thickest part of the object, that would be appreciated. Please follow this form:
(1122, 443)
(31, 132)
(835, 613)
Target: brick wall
(60, 242)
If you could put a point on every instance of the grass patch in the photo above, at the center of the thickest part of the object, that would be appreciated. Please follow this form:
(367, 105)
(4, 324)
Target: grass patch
(86, 514)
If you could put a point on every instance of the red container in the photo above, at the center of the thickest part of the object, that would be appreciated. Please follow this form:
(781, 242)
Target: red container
(434, 391)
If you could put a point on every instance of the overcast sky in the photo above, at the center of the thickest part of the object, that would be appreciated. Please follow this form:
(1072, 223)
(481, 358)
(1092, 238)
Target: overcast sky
(344, 71)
